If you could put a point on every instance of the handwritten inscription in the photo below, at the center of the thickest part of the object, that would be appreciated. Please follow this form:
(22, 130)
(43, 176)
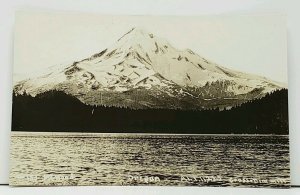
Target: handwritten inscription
(47, 177)
(216, 179)
(151, 179)
(143, 179)
(203, 179)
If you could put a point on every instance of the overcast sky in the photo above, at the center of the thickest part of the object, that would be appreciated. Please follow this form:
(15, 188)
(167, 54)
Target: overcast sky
(253, 44)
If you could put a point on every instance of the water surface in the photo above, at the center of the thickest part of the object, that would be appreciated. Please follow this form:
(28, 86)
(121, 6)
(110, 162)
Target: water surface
(144, 159)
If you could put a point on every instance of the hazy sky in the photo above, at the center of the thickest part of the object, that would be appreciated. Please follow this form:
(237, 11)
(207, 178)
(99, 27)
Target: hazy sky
(253, 44)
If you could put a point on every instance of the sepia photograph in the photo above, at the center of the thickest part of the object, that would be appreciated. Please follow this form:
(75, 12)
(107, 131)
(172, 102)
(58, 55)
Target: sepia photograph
(149, 100)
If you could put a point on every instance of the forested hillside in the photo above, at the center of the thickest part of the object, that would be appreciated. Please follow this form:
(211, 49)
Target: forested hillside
(58, 112)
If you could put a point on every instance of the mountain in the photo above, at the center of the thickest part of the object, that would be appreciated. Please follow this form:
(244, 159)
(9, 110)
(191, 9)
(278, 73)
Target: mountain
(141, 70)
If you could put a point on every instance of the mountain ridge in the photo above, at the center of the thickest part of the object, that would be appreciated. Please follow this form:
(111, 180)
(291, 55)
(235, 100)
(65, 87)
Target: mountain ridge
(56, 111)
(143, 64)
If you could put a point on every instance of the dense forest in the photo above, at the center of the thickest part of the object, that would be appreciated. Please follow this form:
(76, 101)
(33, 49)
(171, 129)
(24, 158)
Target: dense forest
(56, 111)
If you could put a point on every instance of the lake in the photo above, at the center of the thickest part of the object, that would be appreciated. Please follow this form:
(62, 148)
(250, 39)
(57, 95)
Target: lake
(149, 159)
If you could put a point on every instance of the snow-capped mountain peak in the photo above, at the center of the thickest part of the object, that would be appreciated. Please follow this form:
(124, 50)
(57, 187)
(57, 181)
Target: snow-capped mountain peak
(141, 61)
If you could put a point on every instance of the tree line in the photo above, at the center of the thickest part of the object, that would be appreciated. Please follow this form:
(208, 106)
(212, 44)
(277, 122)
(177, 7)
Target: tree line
(55, 111)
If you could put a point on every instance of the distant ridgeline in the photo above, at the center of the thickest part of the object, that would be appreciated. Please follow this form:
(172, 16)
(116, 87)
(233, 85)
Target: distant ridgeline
(55, 111)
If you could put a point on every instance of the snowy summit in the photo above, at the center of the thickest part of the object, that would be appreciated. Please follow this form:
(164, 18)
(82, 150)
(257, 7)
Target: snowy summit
(141, 70)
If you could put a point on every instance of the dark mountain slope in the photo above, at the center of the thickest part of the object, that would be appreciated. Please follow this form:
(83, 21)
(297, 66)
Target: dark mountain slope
(58, 112)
